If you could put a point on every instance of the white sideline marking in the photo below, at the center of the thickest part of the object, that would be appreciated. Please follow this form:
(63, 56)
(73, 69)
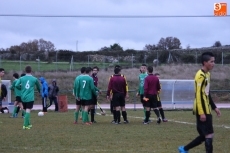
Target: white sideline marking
(180, 122)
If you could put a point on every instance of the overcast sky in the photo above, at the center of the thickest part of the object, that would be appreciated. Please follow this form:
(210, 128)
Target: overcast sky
(93, 33)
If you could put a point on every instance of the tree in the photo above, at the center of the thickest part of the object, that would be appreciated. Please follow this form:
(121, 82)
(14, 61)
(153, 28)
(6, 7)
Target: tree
(45, 45)
(217, 44)
(162, 44)
(116, 46)
(150, 47)
(169, 43)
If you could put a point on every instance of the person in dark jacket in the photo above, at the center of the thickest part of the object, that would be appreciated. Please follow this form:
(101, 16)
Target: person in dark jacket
(53, 93)
(3, 90)
(44, 93)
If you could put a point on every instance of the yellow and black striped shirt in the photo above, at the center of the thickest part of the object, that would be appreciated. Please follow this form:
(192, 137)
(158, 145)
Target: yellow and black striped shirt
(203, 99)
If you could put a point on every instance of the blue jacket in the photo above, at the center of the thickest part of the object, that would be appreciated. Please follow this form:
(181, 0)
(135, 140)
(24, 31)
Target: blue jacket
(44, 89)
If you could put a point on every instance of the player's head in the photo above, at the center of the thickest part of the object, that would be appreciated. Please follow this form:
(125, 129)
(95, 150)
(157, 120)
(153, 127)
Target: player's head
(28, 69)
(88, 70)
(83, 70)
(2, 72)
(143, 68)
(23, 74)
(150, 69)
(15, 75)
(208, 60)
(117, 69)
(95, 70)
(157, 75)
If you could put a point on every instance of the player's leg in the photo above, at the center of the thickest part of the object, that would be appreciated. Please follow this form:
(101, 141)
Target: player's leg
(56, 104)
(51, 102)
(92, 108)
(142, 101)
(153, 103)
(27, 106)
(159, 106)
(198, 140)
(14, 114)
(76, 113)
(122, 105)
(147, 105)
(44, 105)
(21, 107)
(85, 114)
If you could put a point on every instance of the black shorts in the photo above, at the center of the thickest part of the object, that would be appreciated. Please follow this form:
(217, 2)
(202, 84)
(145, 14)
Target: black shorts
(86, 102)
(159, 104)
(152, 102)
(205, 128)
(18, 99)
(118, 100)
(94, 100)
(78, 102)
(28, 105)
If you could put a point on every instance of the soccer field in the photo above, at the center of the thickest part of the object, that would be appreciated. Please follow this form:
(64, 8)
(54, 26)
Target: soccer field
(56, 133)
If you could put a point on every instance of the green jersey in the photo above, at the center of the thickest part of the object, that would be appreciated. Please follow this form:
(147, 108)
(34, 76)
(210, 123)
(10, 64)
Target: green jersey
(17, 92)
(27, 84)
(142, 77)
(85, 88)
(75, 84)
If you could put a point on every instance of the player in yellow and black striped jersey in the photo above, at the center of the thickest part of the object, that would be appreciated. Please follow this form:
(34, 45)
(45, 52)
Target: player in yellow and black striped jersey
(159, 104)
(203, 104)
(113, 109)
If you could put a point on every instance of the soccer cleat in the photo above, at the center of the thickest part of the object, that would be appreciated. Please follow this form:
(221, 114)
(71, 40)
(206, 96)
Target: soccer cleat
(30, 126)
(126, 122)
(90, 123)
(118, 123)
(87, 123)
(113, 122)
(159, 120)
(165, 120)
(25, 127)
(75, 122)
(145, 123)
(94, 122)
(181, 149)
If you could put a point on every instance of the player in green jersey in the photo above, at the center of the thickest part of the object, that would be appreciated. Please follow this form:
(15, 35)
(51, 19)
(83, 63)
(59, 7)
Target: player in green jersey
(84, 90)
(27, 85)
(141, 78)
(78, 101)
(17, 93)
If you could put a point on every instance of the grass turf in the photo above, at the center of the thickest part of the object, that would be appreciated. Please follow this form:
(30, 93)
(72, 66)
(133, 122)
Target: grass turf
(56, 133)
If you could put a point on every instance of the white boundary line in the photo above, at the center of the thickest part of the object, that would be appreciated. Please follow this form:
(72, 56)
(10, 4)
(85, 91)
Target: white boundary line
(180, 122)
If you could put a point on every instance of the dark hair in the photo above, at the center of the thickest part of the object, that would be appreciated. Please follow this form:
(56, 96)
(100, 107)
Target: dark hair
(23, 74)
(83, 69)
(88, 69)
(150, 69)
(95, 67)
(16, 75)
(117, 69)
(28, 69)
(2, 69)
(143, 65)
(206, 56)
(157, 74)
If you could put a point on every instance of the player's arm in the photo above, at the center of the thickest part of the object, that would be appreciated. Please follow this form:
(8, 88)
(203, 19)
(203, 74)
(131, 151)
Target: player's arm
(93, 87)
(12, 85)
(37, 84)
(199, 80)
(109, 90)
(127, 88)
(18, 84)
